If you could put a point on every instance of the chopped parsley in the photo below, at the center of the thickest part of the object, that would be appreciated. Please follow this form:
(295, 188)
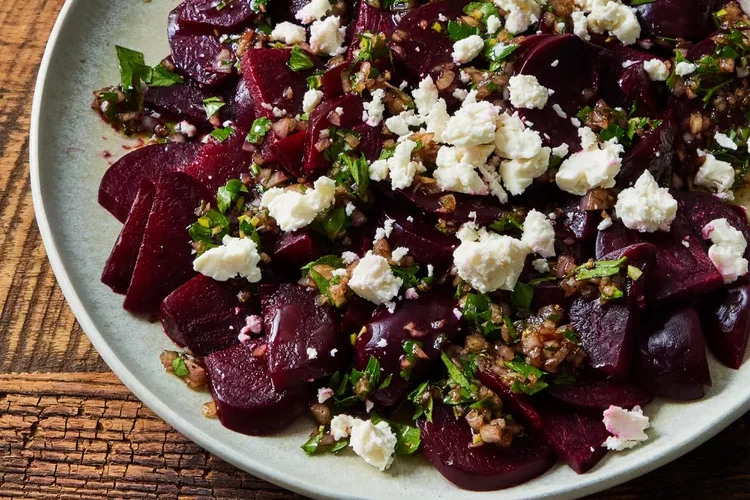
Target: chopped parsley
(212, 105)
(258, 130)
(458, 30)
(299, 60)
(229, 193)
(221, 134)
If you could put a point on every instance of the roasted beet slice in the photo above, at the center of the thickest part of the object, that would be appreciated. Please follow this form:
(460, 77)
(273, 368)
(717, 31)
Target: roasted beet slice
(296, 249)
(240, 108)
(369, 19)
(331, 81)
(301, 335)
(425, 319)
(726, 323)
(548, 293)
(488, 209)
(288, 152)
(568, 65)
(119, 267)
(640, 255)
(203, 315)
(518, 404)
(420, 47)
(446, 444)
(357, 315)
(671, 360)
(426, 244)
(689, 19)
(246, 399)
(595, 394)
(701, 208)
(637, 88)
(272, 83)
(122, 180)
(607, 332)
(182, 101)
(220, 161)
(320, 120)
(654, 152)
(165, 260)
(370, 141)
(204, 13)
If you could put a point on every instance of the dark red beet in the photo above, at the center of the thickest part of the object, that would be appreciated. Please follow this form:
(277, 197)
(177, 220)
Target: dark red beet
(369, 19)
(430, 316)
(357, 315)
(595, 394)
(119, 267)
(203, 315)
(446, 441)
(607, 332)
(422, 49)
(220, 161)
(370, 141)
(689, 19)
(351, 104)
(183, 101)
(654, 152)
(331, 81)
(548, 293)
(122, 180)
(205, 14)
(671, 359)
(295, 323)
(640, 255)
(488, 209)
(245, 398)
(296, 249)
(268, 77)
(425, 243)
(165, 260)
(516, 403)
(726, 323)
(635, 83)
(240, 108)
(288, 152)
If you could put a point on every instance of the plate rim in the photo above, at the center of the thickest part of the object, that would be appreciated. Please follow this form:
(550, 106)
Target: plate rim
(246, 462)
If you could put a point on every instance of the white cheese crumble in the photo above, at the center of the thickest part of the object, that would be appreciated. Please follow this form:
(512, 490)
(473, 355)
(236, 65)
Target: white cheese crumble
(375, 443)
(327, 36)
(349, 257)
(312, 353)
(626, 426)
(606, 223)
(324, 394)
(425, 96)
(289, 33)
(235, 257)
(460, 94)
(293, 210)
(685, 68)
(596, 165)
(489, 261)
(580, 26)
(646, 207)
(456, 169)
(493, 24)
(472, 125)
(398, 254)
(373, 279)
(538, 234)
(467, 49)
(385, 231)
(520, 14)
(728, 249)
(561, 151)
(400, 167)
(724, 141)
(540, 265)
(613, 16)
(716, 175)
(373, 110)
(527, 159)
(656, 70)
(315, 10)
(526, 92)
(311, 99)
(382, 343)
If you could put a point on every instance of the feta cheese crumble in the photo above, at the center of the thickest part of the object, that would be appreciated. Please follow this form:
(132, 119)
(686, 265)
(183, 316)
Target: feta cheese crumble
(596, 165)
(538, 234)
(324, 394)
(646, 207)
(626, 426)
(527, 159)
(526, 92)
(398, 254)
(728, 249)
(311, 99)
(656, 70)
(456, 169)
(520, 14)
(400, 166)
(293, 210)
(327, 36)
(289, 33)
(467, 49)
(724, 141)
(235, 257)
(540, 265)
(613, 16)
(472, 125)
(312, 353)
(374, 280)
(313, 11)
(373, 110)
(489, 261)
(685, 68)
(716, 175)
(493, 24)
(375, 443)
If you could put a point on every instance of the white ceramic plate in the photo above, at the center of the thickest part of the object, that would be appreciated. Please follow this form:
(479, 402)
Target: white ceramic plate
(68, 141)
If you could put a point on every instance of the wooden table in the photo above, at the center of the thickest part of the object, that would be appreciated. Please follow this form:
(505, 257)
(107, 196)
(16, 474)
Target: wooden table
(69, 428)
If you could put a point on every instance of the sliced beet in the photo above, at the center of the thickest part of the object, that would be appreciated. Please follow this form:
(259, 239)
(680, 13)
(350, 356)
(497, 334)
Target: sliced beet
(204, 13)
(165, 260)
(488, 209)
(240, 108)
(182, 101)
(548, 293)
(426, 244)
(726, 323)
(518, 404)
(689, 19)
(246, 400)
(654, 152)
(428, 319)
(268, 78)
(301, 335)
(641, 256)
(200, 56)
(220, 161)
(369, 19)
(121, 181)
(671, 360)
(370, 141)
(296, 249)
(357, 315)
(420, 47)
(595, 394)
(446, 444)
(351, 105)
(607, 332)
(637, 88)
(578, 79)
(288, 152)
(118, 270)
(331, 81)
(203, 315)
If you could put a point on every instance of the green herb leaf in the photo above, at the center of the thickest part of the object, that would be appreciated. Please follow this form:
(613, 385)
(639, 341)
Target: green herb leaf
(458, 30)
(162, 77)
(506, 223)
(335, 222)
(133, 68)
(601, 269)
(258, 6)
(258, 130)
(497, 53)
(212, 105)
(408, 438)
(298, 60)
(487, 9)
(226, 194)
(327, 260)
(522, 295)
(179, 367)
(635, 3)
(423, 406)
(360, 173)
(221, 134)
(455, 373)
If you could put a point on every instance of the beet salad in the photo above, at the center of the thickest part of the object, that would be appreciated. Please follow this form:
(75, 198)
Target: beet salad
(487, 232)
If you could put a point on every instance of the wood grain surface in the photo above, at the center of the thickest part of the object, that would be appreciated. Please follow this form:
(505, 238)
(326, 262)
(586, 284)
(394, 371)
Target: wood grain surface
(70, 429)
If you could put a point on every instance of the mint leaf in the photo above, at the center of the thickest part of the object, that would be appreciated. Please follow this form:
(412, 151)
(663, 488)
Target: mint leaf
(212, 105)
